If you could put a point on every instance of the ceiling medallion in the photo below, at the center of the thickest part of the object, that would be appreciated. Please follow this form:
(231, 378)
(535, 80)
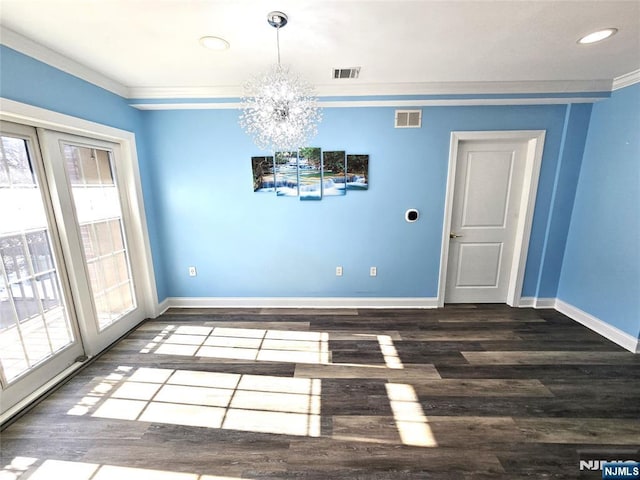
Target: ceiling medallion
(279, 110)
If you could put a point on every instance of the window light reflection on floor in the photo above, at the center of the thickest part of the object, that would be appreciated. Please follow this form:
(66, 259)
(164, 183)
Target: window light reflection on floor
(17, 467)
(60, 469)
(255, 403)
(409, 416)
(257, 344)
(242, 344)
(389, 352)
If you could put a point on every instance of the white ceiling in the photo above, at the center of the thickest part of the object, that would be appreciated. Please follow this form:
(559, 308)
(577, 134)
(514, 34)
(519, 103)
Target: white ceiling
(153, 44)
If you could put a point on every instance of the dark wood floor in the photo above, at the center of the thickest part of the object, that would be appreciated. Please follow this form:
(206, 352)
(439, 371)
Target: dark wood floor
(464, 392)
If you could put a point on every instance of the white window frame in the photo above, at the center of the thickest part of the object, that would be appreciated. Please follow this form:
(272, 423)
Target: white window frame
(139, 238)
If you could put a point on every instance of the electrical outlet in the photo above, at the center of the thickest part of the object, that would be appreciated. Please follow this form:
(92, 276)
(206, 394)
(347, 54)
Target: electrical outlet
(338, 271)
(373, 271)
(192, 271)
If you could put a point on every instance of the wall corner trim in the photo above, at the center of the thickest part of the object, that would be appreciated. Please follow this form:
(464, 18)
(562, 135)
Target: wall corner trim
(299, 302)
(535, 302)
(610, 332)
(162, 307)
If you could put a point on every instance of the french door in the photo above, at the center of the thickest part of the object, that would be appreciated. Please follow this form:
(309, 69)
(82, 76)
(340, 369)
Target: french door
(93, 212)
(67, 285)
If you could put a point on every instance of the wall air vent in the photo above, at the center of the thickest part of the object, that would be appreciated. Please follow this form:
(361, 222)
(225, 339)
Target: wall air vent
(408, 118)
(352, 72)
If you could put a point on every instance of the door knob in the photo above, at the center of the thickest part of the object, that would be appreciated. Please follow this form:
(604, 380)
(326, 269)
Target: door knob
(454, 235)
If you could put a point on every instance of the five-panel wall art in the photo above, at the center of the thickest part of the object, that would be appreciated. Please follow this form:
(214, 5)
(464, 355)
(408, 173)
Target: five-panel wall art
(310, 173)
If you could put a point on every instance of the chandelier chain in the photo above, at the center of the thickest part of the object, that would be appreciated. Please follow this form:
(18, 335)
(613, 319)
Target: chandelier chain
(278, 42)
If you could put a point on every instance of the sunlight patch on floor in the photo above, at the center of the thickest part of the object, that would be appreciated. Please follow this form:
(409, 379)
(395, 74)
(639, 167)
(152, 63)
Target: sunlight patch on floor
(61, 469)
(257, 344)
(409, 416)
(254, 403)
(17, 467)
(389, 352)
(241, 344)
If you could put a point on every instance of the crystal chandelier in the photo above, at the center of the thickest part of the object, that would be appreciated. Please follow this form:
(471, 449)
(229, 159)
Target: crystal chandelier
(279, 109)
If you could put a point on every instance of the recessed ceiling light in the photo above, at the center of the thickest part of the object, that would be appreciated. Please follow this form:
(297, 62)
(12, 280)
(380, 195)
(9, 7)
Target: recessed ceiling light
(598, 36)
(214, 43)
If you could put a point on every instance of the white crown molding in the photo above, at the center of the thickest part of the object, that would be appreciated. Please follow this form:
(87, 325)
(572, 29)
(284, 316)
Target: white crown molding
(187, 106)
(454, 102)
(378, 103)
(373, 89)
(610, 332)
(35, 50)
(300, 302)
(57, 60)
(149, 93)
(464, 88)
(626, 80)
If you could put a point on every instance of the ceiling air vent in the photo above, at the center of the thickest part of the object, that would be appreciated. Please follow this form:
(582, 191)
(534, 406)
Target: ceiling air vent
(352, 72)
(408, 118)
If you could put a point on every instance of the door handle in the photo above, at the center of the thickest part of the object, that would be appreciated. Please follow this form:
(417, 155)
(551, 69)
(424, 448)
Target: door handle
(454, 235)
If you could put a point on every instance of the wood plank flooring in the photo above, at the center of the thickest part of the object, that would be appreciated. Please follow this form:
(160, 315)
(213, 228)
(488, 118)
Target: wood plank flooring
(464, 392)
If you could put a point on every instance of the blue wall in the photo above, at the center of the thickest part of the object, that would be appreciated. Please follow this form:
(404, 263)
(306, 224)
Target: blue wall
(562, 196)
(30, 81)
(601, 269)
(257, 244)
(201, 210)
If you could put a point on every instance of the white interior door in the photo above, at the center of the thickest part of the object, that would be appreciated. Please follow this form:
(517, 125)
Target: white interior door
(486, 203)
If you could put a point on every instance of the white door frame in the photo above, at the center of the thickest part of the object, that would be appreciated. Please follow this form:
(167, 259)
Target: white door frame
(535, 145)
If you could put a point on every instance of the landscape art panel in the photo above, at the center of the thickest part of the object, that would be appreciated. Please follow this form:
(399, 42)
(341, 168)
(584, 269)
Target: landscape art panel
(286, 174)
(357, 172)
(334, 173)
(310, 173)
(263, 174)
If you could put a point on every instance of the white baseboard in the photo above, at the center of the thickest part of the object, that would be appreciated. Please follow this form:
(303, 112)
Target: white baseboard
(602, 328)
(610, 332)
(535, 302)
(301, 302)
